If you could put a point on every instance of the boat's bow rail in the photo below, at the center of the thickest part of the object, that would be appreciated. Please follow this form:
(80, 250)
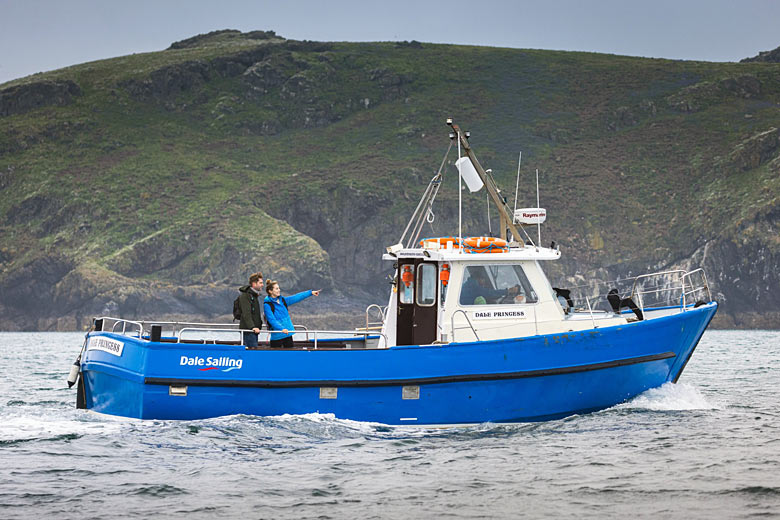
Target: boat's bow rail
(674, 290)
(671, 288)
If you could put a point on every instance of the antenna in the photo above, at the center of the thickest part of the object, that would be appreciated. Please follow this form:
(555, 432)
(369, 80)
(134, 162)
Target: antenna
(487, 202)
(460, 200)
(538, 224)
(517, 188)
(517, 184)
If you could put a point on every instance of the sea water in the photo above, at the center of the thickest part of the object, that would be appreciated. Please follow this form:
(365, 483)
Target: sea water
(707, 447)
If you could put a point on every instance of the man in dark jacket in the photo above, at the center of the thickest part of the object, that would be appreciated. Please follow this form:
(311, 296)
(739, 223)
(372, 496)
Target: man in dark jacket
(251, 309)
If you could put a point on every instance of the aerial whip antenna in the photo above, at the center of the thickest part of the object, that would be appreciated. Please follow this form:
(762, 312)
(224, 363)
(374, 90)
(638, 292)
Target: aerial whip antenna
(538, 223)
(517, 184)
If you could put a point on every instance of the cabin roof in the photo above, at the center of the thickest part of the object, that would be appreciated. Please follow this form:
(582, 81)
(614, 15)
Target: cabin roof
(516, 253)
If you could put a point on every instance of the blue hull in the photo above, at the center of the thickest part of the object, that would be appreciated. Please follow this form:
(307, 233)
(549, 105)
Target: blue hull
(521, 379)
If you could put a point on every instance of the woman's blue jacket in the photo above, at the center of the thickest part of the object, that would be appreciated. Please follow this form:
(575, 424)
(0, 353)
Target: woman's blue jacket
(280, 319)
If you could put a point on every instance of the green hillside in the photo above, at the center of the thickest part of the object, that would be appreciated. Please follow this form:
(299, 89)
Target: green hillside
(153, 184)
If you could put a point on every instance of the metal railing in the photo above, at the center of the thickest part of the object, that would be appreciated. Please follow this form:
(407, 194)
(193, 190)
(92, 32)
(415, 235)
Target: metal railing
(310, 335)
(452, 324)
(696, 289)
(670, 289)
(116, 322)
(675, 288)
(178, 332)
(175, 325)
(373, 325)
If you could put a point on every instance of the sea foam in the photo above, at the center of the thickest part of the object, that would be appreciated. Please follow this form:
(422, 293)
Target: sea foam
(670, 396)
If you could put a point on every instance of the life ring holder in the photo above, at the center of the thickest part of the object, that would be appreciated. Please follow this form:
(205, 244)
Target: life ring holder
(441, 242)
(469, 244)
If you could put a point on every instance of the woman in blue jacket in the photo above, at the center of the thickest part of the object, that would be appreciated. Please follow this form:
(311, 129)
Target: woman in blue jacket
(277, 315)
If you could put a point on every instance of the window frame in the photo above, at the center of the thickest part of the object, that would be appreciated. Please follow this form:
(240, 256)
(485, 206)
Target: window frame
(527, 290)
(418, 291)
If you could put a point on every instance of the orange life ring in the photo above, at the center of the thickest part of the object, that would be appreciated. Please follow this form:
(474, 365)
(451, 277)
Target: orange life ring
(485, 245)
(484, 242)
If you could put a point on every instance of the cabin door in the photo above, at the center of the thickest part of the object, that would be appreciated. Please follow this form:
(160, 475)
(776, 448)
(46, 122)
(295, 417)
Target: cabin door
(418, 302)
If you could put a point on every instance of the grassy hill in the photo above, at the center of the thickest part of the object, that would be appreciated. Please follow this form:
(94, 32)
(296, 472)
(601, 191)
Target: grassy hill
(153, 184)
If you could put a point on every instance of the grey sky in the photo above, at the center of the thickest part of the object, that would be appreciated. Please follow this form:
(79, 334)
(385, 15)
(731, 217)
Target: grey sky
(40, 35)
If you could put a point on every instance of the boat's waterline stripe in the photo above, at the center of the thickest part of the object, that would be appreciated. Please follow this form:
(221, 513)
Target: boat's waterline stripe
(462, 378)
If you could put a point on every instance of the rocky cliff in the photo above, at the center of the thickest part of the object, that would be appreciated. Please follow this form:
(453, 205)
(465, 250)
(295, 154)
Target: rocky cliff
(152, 185)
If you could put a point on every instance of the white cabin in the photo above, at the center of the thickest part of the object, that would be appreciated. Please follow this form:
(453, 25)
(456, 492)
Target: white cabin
(487, 296)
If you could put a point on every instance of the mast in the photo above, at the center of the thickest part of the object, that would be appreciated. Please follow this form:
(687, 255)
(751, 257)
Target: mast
(503, 210)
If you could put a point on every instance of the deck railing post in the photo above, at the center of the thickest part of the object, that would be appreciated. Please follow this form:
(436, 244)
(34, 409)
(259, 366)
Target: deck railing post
(590, 310)
(536, 323)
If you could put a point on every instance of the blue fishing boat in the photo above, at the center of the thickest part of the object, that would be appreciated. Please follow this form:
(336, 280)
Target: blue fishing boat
(473, 332)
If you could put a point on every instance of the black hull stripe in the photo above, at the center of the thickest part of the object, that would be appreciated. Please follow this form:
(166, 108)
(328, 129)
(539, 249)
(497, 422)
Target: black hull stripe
(406, 382)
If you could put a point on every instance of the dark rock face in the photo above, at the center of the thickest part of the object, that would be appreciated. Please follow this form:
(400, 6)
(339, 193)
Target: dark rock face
(772, 56)
(44, 215)
(27, 291)
(345, 230)
(623, 117)
(745, 86)
(23, 98)
(392, 84)
(169, 81)
(202, 39)
(743, 268)
(150, 256)
(294, 77)
(752, 152)
(52, 294)
(705, 93)
(414, 44)
(33, 207)
(236, 64)
(268, 74)
(16, 140)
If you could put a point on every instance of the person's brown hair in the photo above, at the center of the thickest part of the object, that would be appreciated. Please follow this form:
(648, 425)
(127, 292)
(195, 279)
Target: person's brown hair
(255, 277)
(269, 284)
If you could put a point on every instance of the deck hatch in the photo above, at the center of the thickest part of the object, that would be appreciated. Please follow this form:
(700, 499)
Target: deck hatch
(178, 390)
(410, 392)
(329, 392)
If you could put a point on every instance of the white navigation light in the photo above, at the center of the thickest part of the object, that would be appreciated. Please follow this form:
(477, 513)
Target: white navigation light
(469, 174)
(530, 215)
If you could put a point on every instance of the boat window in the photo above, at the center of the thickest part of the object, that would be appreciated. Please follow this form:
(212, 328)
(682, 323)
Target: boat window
(501, 284)
(406, 285)
(426, 284)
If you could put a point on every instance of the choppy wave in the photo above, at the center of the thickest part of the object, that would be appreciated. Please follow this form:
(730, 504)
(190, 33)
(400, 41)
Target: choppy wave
(670, 397)
(705, 448)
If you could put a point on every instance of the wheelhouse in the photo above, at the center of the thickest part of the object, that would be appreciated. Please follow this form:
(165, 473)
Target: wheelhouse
(441, 296)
